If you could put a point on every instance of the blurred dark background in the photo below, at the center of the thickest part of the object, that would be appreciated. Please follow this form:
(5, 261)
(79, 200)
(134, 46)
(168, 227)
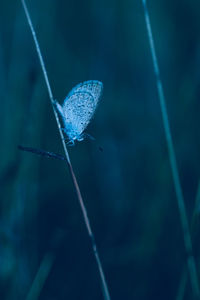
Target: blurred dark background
(127, 188)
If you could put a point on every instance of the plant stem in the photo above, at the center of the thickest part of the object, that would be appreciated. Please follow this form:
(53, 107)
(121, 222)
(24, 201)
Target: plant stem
(83, 208)
(42, 152)
(179, 194)
(41, 277)
(194, 226)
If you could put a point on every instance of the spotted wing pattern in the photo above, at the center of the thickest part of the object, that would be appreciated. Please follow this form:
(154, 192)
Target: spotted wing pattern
(79, 107)
(94, 87)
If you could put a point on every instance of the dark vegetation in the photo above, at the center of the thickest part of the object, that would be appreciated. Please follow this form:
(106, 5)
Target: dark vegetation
(127, 188)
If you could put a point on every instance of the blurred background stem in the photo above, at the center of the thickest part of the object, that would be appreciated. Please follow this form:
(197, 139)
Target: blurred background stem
(192, 270)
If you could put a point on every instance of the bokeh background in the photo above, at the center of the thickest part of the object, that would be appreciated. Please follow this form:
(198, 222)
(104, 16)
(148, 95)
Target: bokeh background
(127, 187)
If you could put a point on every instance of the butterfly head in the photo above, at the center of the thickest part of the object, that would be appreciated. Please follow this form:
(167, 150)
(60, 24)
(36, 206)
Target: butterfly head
(72, 134)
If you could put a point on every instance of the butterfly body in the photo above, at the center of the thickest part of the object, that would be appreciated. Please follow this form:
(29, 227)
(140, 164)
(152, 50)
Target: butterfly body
(79, 107)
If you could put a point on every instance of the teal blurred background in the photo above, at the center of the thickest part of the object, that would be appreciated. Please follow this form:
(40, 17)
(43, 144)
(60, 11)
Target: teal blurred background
(127, 187)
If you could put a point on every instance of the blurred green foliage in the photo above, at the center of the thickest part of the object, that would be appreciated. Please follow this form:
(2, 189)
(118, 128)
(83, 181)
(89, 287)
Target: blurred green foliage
(127, 188)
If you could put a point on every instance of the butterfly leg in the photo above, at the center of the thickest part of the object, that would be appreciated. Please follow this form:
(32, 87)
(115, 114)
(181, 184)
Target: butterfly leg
(71, 143)
(58, 107)
(54, 102)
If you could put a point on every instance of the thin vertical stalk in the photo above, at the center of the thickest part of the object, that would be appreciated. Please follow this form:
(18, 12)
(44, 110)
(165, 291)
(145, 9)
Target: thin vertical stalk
(179, 194)
(41, 277)
(182, 285)
(194, 227)
(83, 208)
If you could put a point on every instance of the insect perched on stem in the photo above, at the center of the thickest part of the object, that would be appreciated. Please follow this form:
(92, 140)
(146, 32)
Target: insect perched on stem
(78, 108)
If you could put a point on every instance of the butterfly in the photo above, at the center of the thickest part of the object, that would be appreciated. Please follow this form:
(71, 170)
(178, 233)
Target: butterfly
(79, 107)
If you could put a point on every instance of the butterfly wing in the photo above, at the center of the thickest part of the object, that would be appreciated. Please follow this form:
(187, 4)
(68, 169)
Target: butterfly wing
(79, 107)
(94, 87)
(78, 110)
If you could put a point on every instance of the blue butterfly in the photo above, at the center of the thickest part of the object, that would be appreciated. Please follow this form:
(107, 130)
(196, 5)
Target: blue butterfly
(79, 107)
